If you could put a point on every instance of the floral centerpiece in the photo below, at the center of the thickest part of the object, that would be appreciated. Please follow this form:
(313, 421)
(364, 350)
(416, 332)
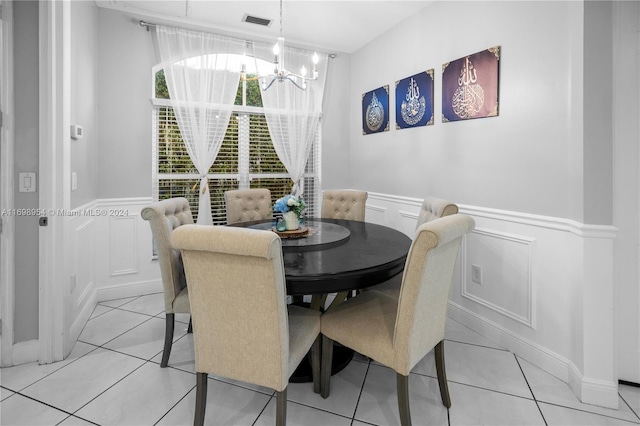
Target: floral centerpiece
(291, 209)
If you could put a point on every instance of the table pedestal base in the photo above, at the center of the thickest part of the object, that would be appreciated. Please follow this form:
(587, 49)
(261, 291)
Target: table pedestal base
(341, 358)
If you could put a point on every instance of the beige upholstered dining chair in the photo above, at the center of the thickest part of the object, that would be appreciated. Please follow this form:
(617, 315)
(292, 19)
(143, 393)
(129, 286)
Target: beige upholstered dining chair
(256, 339)
(244, 205)
(432, 208)
(165, 216)
(344, 204)
(399, 331)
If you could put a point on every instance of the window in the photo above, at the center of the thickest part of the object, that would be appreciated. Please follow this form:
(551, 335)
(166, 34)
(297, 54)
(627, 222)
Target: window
(246, 158)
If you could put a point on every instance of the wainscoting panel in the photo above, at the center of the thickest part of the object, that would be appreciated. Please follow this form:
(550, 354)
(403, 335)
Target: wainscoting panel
(125, 267)
(81, 229)
(375, 214)
(122, 245)
(546, 289)
(83, 274)
(503, 264)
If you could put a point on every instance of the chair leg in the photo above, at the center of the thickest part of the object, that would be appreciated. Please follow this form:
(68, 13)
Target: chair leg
(281, 408)
(325, 366)
(403, 399)
(168, 339)
(316, 353)
(190, 327)
(201, 399)
(442, 374)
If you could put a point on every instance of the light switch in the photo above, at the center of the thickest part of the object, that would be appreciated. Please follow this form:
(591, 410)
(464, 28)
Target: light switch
(27, 182)
(74, 181)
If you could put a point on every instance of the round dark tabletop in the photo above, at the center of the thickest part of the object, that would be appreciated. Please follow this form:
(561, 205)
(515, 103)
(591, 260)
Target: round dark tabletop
(370, 255)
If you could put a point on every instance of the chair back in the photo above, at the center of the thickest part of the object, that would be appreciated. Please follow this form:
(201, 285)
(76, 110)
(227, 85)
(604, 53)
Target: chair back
(344, 204)
(238, 302)
(435, 208)
(163, 217)
(245, 205)
(424, 294)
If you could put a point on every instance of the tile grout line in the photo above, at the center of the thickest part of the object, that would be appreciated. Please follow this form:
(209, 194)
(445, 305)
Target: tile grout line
(590, 412)
(101, 393)
(175, 405)
(477, 345)
(630, 408)
(364, 380)
(48, 405)
(263, 410)
(56, 370)
(530, 390)
(111, 350)
(75, 360)
(119, 335)
(571, 408)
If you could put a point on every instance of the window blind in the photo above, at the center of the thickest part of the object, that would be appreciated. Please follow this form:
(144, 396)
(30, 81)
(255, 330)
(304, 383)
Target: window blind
(246, 159)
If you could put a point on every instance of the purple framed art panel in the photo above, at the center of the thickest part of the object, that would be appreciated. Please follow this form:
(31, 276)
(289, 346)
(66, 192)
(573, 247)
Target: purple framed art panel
(470, 86)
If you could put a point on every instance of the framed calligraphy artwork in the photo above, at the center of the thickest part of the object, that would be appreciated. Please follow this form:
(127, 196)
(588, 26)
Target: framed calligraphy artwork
(375, 111)
(414, 100)
(470, 86)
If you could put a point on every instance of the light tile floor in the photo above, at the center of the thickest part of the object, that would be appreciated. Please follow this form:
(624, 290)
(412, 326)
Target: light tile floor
(113, 377)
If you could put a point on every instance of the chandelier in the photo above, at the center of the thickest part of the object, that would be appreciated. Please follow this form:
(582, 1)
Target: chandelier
(280, 73)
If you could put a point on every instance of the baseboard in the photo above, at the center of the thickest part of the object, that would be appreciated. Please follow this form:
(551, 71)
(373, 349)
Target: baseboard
(595, 392)
(133, 289)
(25, 352)
(89, 303)
(588, 391)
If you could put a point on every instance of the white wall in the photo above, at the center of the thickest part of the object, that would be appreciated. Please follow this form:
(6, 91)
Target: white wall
(26, 160)
(523, 160)
(336, 161)
(537, 178)
(84, 99)
(626, 195)
(125, 58)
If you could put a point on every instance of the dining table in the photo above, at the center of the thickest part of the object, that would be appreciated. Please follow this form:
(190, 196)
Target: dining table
(326, 256)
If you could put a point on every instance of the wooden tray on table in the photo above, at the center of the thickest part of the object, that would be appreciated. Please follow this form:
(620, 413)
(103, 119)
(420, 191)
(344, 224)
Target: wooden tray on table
(303, 231)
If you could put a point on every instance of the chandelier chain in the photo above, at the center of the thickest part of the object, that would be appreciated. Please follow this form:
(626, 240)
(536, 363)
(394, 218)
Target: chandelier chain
(280, 18)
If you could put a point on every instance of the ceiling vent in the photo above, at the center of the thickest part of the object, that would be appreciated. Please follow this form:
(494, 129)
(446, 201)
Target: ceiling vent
(255, 20)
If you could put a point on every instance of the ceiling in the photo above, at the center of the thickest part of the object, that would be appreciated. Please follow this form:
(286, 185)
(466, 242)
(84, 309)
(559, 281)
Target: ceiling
(330, 25)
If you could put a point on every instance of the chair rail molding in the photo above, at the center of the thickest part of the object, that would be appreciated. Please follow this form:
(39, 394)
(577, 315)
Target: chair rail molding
(546, 293)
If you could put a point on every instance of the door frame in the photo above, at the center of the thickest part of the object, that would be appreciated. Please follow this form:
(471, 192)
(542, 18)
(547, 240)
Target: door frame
(54, 163)
(7, 146)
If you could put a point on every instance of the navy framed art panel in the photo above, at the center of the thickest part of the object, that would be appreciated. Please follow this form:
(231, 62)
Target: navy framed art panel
(414, 100)
(375, 111)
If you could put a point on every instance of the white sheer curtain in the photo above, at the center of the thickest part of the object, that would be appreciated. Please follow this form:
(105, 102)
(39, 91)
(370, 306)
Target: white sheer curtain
(293, 114)
(202, 76)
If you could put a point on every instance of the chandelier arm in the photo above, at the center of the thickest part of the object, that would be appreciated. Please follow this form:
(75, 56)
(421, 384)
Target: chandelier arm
(269, 85)
(296, 83)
